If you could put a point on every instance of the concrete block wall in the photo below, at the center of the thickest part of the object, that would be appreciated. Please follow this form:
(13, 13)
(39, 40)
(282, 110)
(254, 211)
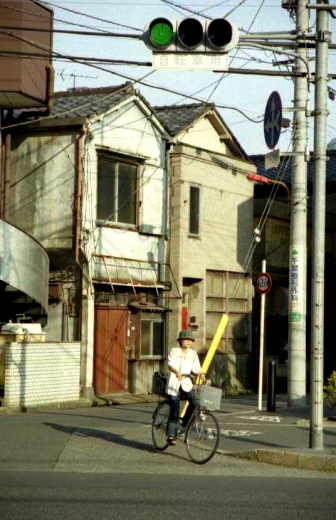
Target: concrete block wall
(41, 373)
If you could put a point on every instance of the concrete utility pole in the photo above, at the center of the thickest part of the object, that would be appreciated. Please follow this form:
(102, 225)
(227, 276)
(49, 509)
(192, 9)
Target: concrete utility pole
(319, 205)
(298, 230)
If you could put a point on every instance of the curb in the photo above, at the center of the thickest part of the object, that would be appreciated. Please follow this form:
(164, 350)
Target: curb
(81, 403)
(65, 405)
(290, 459)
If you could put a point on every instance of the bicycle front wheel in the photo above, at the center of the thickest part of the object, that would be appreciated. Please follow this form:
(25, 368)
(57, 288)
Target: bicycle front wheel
(159, 425)
(202, 437)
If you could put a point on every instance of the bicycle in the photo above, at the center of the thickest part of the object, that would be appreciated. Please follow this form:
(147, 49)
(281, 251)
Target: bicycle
(201, 434)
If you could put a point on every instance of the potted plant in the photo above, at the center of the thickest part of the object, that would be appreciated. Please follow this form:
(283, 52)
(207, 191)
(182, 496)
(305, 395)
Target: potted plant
(329, 394)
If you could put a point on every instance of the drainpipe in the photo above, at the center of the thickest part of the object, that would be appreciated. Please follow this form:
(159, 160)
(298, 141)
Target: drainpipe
(50, 87)
(78, 195)
(1, 168)
(8, 141)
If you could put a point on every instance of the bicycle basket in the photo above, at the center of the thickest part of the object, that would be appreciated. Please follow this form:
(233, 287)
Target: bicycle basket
(208, 396)
(159, 383)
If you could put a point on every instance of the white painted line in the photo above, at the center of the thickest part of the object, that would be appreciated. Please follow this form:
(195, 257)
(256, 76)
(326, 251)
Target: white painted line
(264, 418)
(238, 433)
(221, 423)
(235, 413)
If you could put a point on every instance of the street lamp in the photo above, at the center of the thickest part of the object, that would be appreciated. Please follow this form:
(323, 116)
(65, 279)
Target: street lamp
(261, 179)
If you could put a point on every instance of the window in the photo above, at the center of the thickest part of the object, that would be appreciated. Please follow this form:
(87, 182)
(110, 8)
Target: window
(228, 292)
(117, 186)
(194, 209)
(152, 336)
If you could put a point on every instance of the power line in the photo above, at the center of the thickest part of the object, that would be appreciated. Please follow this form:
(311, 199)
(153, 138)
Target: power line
(169, 2)
(83, 33)
(90, 16)
(140, 81)
(231, 61)
(39, 15)
(65, 57)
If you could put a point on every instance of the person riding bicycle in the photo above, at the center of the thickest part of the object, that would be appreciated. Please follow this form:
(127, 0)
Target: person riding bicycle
(182, 360)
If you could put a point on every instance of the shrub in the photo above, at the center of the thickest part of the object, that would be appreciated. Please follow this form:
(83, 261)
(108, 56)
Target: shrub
(329, 393)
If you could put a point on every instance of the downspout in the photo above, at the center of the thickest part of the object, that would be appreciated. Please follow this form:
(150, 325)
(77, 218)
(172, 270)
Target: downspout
(50, 87)
(78, 195)
(8, 141)
(1, 168)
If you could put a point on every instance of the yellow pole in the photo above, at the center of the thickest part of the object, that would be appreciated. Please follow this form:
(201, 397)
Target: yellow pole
(211, 352)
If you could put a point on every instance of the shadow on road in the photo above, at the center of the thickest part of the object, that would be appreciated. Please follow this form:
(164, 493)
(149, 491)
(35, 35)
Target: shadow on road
(111, 437)
(110, 418)
(99, 434)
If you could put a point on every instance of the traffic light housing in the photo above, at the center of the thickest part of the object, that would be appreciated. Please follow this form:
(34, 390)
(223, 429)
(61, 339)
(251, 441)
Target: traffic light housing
(191, 35)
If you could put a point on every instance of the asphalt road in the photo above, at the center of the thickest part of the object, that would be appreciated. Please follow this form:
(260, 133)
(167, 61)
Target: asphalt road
(58, 495)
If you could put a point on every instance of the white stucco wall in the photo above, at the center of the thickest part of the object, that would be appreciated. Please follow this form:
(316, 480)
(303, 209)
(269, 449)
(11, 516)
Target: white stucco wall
(127, 130)
(203, 135)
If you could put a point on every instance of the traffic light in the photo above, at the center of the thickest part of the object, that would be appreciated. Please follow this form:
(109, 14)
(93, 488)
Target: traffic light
(191, 36)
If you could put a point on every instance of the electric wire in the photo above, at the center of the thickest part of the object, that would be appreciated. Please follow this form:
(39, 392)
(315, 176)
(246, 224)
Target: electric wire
(89, 16)
(231, 61)
(39, 15)
(174, 4)
(134, 80)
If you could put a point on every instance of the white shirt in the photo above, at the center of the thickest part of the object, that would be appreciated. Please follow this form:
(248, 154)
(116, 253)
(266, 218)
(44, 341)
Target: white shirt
(184, 366)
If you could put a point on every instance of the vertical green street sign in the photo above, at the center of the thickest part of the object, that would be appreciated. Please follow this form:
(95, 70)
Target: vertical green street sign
(295, 285)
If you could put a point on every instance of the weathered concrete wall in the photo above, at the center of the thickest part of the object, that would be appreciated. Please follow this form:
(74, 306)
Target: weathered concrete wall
(42, 186)
(140, 375)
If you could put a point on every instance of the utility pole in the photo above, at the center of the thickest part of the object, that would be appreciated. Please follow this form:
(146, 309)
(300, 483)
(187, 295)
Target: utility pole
(319, 208)
(298, 229)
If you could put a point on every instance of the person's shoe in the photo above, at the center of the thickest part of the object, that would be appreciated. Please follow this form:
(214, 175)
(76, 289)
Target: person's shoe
(171, 441)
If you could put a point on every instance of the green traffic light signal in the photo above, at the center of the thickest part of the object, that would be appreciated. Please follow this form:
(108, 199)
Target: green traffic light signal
(161, 32)
(190, 35)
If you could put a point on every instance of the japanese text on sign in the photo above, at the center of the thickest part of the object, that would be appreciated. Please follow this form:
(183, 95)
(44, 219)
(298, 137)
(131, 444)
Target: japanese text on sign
(296, 287)
(190, 61)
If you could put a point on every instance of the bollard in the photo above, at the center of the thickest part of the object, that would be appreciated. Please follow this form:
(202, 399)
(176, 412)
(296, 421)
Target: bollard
(271, 375)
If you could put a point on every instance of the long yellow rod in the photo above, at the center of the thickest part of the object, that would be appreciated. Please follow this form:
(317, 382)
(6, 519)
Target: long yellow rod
(211, 352)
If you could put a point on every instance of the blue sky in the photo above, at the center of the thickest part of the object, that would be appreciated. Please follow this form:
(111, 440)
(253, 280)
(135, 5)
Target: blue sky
(247, 93)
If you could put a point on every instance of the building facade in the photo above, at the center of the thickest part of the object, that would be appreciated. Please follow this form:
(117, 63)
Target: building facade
(90, 184)
(211, 229)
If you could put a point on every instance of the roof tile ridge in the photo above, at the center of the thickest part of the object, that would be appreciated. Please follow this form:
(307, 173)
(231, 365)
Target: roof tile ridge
(185, 105)
(85, 91)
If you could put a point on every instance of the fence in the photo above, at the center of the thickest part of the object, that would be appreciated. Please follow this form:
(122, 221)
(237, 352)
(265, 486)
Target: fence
(41, 373)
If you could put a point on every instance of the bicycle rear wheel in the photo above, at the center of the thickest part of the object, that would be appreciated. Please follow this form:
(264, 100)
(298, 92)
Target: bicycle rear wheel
(202, 437)
(159, 425)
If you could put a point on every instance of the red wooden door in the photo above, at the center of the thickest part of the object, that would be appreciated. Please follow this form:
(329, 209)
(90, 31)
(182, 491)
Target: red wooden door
(110, 350)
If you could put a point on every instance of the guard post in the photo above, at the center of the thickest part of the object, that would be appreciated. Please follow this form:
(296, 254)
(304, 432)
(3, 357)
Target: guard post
(271, 376)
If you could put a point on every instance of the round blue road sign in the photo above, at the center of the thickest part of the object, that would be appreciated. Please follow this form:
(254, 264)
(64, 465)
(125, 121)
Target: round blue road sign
(273, 120)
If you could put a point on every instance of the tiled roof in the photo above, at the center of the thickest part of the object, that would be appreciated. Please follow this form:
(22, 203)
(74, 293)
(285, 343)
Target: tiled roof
(81, 102)
(284, 171)
(177, 117)
(86, 102)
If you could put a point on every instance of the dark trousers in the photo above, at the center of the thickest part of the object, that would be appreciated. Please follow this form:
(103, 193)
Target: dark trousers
(174, 401)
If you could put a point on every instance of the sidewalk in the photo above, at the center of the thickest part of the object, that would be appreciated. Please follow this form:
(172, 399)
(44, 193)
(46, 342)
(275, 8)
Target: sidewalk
(280, 437)
(55, 437)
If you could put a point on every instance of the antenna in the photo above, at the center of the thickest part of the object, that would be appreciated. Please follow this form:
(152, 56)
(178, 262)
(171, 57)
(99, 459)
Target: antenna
(74, 76)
